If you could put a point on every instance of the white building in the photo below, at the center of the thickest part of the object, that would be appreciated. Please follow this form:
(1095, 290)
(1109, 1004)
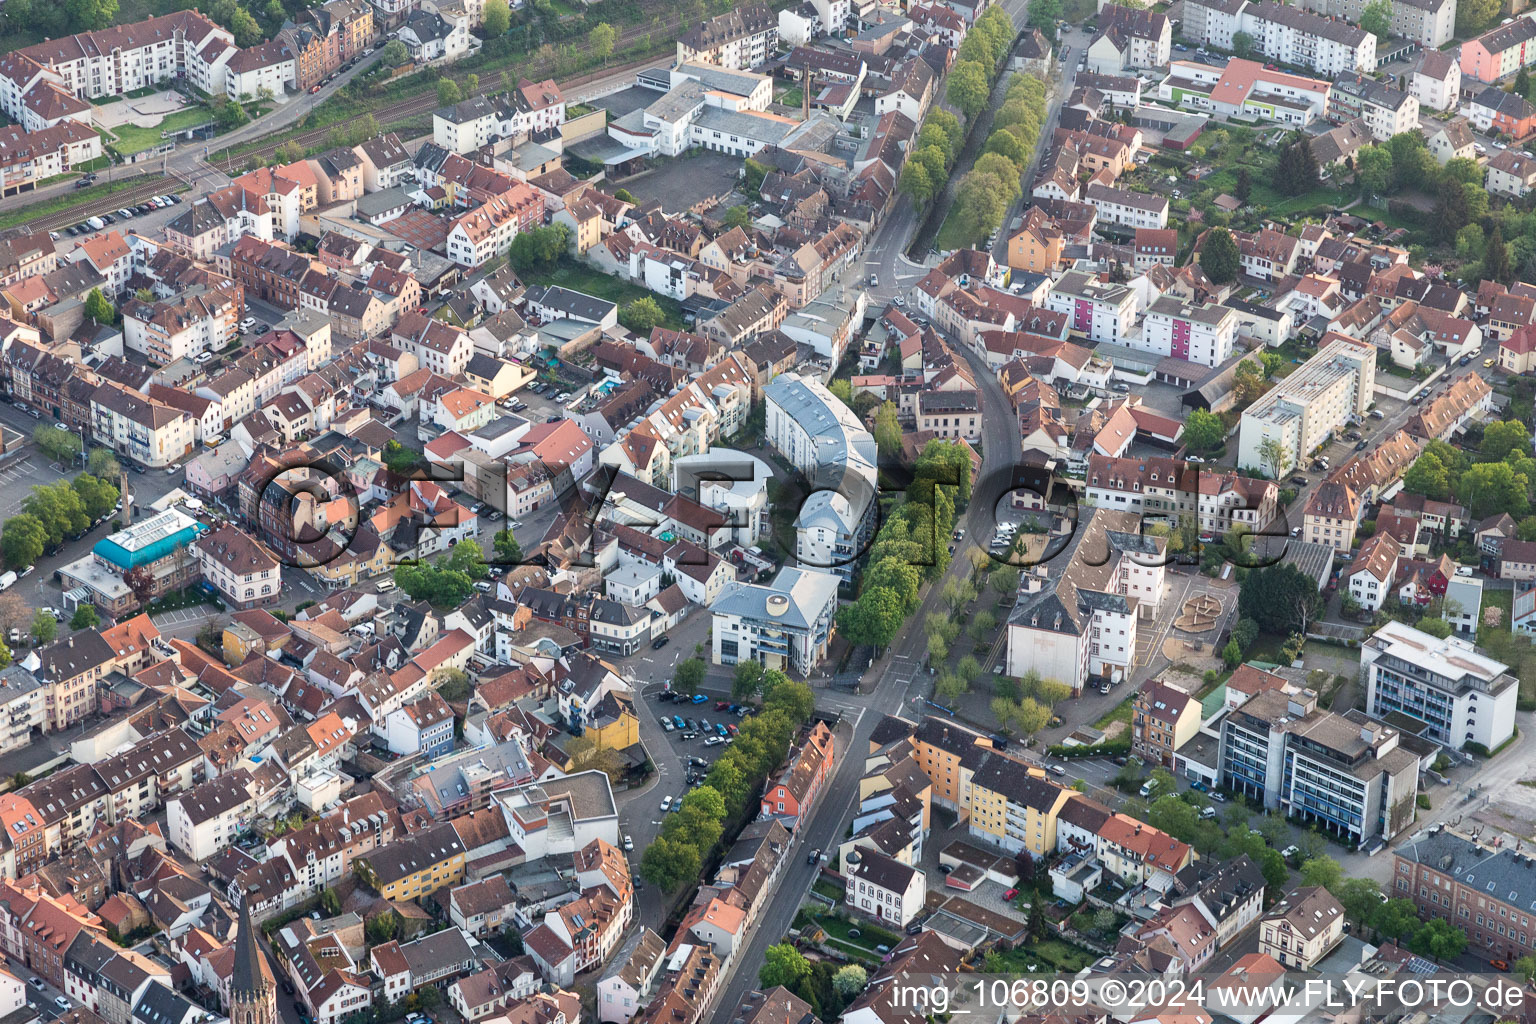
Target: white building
(1321, 396)
(241, 568)
(1083, 622)
(786, 624)
(211, 816)
(1098, 310)
(1128, 209)
(1294, 36)
(1462, 696)
(1201, 334)
(883, 888)
(200, 319)
(824, 439)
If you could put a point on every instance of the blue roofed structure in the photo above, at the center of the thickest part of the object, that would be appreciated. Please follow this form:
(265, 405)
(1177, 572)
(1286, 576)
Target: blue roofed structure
(150, 540)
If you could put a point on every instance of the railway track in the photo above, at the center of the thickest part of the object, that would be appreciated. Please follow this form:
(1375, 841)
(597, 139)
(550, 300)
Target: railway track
(427, 102)
(152, 186)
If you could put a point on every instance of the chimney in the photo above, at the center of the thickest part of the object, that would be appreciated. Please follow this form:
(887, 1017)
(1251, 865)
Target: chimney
(122, 490)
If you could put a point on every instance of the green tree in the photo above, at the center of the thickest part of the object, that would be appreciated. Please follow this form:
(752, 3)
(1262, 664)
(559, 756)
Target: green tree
(688, 675)
(1005, 170)
(1280, 598)
(783, 965)
(1438, 939)
(85, 617)
(498, 18)
(507, 549)
(1043, 14)
(61, 446)
(1473, 16)
(448, 92)
(102, 464)
(738, 217)
(601, 40)
(99, 309)
(1526, 965)
(400, 460)
(466, 557)
(1359, 897)
(22, 540)
(1501, 437)
(1396, 919)
(433, 584)
(59, 508)
(874, 619)
(1272, 454)
(747, 680)
(1489, 488)
(915, 182)
(1377, 19)
(96, 496)
(968, 88)
(1434, 627)
(849, 981)
(668, 863)
(1219, 257)
(1242, 44)
(642, 314)
(1373, 170)
(980, 202)
(44, 628)
(1496, 265)
(396, 54)
(1204, 430)
(1428, 476)
(1323, 871)
(89, 15)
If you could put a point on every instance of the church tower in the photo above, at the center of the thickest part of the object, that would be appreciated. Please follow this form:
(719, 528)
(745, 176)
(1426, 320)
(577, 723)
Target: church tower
(252, 990)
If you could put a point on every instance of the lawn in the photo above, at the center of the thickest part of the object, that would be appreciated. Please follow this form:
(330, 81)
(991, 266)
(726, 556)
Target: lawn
(133, 139)
(1047, 955)
(951, 235)
(1375, 213)
(792, 97)
(582, 278)
(1119, 713)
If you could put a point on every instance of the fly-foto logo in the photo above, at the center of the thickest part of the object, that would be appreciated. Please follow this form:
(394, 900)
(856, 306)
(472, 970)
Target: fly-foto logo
(310, 512)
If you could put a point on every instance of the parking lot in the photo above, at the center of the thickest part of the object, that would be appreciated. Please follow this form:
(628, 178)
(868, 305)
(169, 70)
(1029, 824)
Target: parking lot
(18, 478)
(117, 219)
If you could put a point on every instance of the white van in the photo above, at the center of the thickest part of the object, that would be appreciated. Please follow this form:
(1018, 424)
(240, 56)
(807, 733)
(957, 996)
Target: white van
(7, 581)
(385, 586)
(1148, 787)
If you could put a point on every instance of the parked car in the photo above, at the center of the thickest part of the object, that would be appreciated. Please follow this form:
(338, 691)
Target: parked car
(666, 802)
(699, 698)
(660, 642)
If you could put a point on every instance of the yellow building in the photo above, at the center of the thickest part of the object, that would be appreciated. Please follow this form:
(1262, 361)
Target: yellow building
(1015, 806)
(416, 865)
(614, 724)
(1037, 245)
(948, 753)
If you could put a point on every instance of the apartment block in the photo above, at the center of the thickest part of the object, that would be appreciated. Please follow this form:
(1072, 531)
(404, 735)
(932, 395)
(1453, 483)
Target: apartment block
(786, 624)
(1426, 22)
(1199, 333)
(1157, 488)
(1098, 310)
(1335, 384)
(1485, 889)
(1460, 695)
(1387, 111)
(1500, 52)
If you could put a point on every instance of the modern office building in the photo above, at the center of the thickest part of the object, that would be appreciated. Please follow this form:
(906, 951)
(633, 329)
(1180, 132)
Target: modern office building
(1346, 773)
(786, 624)
(1460, 695)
